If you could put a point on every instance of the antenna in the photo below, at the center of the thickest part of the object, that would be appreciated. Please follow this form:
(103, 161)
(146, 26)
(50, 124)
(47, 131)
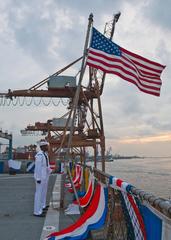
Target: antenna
(116, 16)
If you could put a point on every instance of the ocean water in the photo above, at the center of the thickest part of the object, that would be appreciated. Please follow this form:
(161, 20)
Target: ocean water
(152, 175)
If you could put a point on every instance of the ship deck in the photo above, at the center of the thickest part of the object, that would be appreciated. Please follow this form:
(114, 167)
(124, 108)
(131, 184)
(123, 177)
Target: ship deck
(16, 208)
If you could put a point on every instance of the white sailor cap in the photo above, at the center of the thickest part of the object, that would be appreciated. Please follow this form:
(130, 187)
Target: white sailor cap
(43, 143)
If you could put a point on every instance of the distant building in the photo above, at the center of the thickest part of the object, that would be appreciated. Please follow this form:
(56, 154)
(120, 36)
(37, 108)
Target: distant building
(26, 152)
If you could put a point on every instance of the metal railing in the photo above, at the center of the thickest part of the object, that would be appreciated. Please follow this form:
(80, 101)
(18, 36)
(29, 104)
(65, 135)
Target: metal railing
(117, 222)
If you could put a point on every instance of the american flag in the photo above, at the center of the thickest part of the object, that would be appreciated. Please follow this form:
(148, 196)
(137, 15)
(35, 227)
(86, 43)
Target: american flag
(110, 58)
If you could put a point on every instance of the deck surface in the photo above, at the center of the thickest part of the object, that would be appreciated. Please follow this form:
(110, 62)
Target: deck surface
(16, 207)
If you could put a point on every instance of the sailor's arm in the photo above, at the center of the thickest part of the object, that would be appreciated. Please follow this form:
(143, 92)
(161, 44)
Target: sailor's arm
(38, 168)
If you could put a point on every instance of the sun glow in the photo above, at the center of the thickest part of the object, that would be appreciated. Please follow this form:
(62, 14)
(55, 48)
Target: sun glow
(158, 138)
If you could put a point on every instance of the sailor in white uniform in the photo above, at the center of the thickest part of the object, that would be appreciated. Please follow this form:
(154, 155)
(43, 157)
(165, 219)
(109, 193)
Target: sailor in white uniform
(41, 176)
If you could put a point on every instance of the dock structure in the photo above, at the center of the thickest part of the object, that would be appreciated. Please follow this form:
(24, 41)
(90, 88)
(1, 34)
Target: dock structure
(7, 136)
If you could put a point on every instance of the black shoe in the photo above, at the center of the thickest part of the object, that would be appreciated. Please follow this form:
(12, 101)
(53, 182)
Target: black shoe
(46, 208)
(39, 215)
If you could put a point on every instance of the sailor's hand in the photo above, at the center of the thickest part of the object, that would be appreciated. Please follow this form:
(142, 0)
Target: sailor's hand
(39, 181)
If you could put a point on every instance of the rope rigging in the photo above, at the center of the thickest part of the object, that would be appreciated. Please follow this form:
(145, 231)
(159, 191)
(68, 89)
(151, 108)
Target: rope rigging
(28, 101)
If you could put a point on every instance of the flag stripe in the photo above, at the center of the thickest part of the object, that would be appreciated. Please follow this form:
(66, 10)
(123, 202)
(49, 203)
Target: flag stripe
(144, 70)
(150, 71)
(127, 78)
(127, 74)
(129, 70)
(114, 59)
(143, 60)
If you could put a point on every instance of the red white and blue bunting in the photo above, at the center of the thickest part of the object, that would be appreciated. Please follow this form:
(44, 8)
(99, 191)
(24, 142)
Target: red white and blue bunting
(77, 179)
(93, 218)
(85, 200)
(131, 207)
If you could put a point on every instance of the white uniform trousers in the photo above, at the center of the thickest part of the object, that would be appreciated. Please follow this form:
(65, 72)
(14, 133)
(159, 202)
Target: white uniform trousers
(44, 192)
(38, 198)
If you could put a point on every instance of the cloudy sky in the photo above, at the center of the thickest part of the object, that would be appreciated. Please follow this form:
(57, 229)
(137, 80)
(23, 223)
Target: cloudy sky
(37, 38)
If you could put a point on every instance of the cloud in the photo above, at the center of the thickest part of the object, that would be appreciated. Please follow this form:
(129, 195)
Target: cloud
(158, 12)
(164, 125)
(87, 7)
(38, 38)
(49, 29)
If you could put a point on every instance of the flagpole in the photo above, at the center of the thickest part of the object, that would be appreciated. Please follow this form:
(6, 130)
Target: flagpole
(75, 102)
(83, 67)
